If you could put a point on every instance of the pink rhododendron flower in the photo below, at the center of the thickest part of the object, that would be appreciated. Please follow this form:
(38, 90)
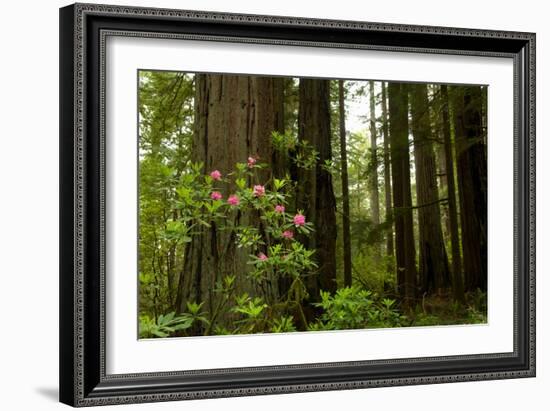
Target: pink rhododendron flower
(233, 200)
(259, 190)
(299, 220)
(288, 234)
(279, 208)
(216, 195)
(262, 257)
(216, 175)
(251, 162)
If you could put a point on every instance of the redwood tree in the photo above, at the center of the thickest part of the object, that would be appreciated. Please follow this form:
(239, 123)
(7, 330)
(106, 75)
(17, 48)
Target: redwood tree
(314, 194)
(458, 284)
(434, 266)
(235, 117)
(345, 186)
(471, 158)
(387, 171)
(374, 199)
(401, 186)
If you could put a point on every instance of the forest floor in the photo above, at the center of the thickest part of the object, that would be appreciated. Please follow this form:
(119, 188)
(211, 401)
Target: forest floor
(440, 310)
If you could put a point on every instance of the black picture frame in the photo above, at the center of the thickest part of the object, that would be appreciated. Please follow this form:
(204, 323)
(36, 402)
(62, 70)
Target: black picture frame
(83, 381)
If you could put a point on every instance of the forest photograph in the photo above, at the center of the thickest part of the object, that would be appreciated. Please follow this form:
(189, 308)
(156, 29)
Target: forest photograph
(284, 204)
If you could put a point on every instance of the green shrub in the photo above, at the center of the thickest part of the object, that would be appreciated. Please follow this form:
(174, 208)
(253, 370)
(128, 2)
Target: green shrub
(163, 326)
(353, 308)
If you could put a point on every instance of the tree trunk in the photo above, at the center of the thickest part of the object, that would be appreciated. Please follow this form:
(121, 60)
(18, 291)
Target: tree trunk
(472, 183)
(439, 147)
(443, 185)
(434, 266)
(401, 184)
(458, 285)
(315, 195)
(235, 116)
(345, 187)
(279, 160)
(387, 174)
(374, 200)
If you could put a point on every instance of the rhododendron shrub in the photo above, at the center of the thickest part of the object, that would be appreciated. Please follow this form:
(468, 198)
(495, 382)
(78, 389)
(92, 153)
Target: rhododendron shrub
(269, 240)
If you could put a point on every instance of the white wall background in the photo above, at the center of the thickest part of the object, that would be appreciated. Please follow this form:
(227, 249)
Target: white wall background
(29, 204)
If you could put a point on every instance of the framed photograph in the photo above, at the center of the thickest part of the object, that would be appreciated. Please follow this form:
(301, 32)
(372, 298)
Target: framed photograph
(261, 204)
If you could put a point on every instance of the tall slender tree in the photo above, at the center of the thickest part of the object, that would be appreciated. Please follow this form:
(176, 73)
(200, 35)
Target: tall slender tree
(434, 95)
(471, 160)
(387, 171)
(315, 194)
(458, 284)
(374, 199)
(401, 186)
(275, 95)
(434, 267)
(345, 186)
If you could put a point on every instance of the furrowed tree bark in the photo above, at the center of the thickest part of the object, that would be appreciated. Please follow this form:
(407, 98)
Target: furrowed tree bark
(235, 116)
(443, 185)
(315, 195)
(458, 285)
(345, 187)
(434, 93)
(279, 161)
(401, 185)
(471, 160)
(387, 174)
(374, 198)
(434, 266)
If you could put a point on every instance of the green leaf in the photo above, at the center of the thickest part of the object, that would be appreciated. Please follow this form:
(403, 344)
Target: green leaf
(240, 183)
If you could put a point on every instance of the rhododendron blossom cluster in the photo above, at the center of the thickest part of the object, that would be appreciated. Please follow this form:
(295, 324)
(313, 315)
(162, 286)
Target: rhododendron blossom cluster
(288, 234)
(233, 200)
(216, 175)
(299, 220)
(216, 195)
(259, 190)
